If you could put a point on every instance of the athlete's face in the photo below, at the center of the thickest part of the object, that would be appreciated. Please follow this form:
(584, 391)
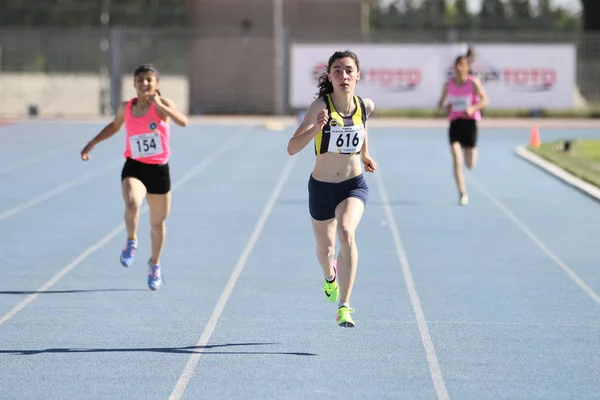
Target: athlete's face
(462, 67)
(344, 74)
(145, 83)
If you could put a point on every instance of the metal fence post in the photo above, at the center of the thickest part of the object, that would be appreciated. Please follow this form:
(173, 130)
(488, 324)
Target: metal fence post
(116, 68)
(285, 72)
(279, 38)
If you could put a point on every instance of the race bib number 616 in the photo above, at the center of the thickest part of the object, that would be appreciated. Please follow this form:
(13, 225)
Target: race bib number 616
(346, 139)
(145, 145)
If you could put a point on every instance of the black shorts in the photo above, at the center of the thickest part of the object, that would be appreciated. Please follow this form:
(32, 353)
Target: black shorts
(324, 197)
(156, 177)
(463, 131)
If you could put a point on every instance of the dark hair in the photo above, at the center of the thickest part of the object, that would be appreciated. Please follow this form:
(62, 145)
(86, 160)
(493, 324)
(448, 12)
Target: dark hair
(147, 68)
(470, 55)
(470, 52)
(464, 58)
(459, 59)
(325, 86)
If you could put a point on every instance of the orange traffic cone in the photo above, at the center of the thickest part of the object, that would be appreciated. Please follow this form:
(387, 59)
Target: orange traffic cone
(534, 137)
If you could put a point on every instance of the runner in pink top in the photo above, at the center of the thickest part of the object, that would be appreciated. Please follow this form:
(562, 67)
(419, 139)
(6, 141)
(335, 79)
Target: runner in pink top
(146, 171)
(463, 98)
(147, 138)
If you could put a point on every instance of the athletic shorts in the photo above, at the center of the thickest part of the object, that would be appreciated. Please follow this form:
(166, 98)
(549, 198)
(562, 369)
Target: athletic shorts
(324, 197)
(155, 177)
(463, 131)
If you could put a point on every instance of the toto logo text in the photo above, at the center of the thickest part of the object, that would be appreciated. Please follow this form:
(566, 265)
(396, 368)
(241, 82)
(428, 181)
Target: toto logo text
(318, 70)
(388, 78)
(519, 79)
(394, 79)
(529, 79)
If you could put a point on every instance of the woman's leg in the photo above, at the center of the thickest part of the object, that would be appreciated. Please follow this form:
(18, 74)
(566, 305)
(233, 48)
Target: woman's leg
(133, 195)
(324, 232)
(321, 209)
(470, 154)
(457, 160)
(159, 205)
(470, 145)
(348, 213)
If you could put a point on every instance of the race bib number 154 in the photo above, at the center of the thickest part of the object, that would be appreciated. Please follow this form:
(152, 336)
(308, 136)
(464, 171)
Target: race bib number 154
(145, 145)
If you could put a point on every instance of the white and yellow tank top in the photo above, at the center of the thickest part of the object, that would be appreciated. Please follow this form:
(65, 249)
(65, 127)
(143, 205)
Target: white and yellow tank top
(343, 135)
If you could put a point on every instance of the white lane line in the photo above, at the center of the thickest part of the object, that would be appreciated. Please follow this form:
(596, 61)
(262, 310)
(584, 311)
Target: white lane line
(189, 368)
(57, 190)
(511, 216)
(36, 160)
(434, 367)
(69, 267)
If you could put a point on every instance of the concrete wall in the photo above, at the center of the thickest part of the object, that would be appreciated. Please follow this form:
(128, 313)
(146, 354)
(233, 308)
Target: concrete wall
(232, 75)
(57, 95)
(228, 55)
(231, 61)
(298, 15)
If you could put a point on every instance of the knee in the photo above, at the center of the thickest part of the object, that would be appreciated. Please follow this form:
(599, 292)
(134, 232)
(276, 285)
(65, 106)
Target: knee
(470, 163)
(132, 206)
(346, 236)
(456, 159)
(325, 251)
(158, 225)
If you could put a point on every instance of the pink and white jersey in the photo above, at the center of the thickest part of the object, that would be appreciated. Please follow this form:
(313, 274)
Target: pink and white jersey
(147, 137)
(461, 97)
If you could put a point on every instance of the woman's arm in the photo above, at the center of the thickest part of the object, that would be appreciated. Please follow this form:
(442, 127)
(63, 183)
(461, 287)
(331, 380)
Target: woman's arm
(315, 118)
(484, 100)
(369, 163)
(109, 130)
(166, 107)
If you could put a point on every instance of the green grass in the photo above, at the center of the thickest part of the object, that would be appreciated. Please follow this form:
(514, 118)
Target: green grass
(582, 160)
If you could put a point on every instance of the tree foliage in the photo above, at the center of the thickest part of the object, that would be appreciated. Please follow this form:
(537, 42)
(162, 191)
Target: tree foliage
(93, 13)
(492, 15)
(400, 14)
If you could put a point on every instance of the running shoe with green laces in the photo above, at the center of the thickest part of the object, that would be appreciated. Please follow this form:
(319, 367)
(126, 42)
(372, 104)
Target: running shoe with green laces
(343, 317)
(331, 289)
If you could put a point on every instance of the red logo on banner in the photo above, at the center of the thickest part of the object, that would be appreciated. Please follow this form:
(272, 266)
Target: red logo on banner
(394, 79)
(318, 70)
(520, 79)
(530, 79)
(388, 78)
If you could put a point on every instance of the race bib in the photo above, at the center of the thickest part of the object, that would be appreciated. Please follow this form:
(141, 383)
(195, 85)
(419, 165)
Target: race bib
(346, 139)
(460, 103)
(145, 145)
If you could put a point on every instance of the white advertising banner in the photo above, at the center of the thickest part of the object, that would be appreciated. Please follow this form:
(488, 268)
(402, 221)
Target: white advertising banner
(411, 76)
(526, 75)
(393, 76)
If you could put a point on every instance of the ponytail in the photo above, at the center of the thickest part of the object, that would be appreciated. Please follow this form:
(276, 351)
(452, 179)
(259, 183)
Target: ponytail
(325, 86)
